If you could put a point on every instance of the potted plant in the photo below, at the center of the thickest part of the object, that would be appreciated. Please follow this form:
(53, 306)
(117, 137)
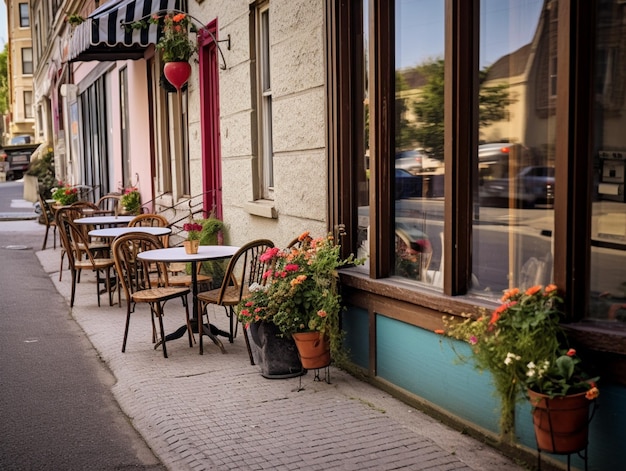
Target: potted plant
(64, 194)
(131, 201)
(301, 296)
(524, 347)
(194, 230)
(177, 47)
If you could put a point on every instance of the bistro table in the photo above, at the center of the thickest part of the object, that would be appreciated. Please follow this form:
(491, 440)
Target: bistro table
(113, 232)
(105, 220)
(205, 252)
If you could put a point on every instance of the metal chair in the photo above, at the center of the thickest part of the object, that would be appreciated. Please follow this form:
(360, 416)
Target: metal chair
(76, 246)
(141, 286)
(244, 268)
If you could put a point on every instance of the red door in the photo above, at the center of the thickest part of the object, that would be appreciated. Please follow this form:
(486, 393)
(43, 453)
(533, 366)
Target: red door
(210, 121)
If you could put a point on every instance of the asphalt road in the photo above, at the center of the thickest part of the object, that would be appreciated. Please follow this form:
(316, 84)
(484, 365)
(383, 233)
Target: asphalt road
(56, 407)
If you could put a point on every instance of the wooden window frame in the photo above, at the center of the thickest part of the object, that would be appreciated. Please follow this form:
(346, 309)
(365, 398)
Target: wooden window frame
(572, 232)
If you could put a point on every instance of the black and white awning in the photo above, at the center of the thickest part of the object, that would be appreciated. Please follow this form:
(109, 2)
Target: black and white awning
(103, 37)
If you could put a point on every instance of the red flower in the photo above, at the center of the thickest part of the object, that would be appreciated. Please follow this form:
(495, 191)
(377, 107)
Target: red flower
(571, 352)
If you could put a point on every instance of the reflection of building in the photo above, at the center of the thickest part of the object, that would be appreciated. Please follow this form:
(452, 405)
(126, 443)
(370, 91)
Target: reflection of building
(20, 72)
(275, 143)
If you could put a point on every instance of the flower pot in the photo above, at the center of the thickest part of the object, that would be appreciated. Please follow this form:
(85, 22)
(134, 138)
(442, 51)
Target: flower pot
(314, 349)
(191, 246)
(274, 353)
(177, 73)
(561, 423)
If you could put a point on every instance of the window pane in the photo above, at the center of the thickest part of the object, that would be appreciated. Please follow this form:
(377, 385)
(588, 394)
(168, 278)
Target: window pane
(24, 16)
(28, 104)
(608, 224)
(363, 147)
(514, 187)
(27, 60)
(419, 169)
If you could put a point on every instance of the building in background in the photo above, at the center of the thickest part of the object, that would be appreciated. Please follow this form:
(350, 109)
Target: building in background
(21, 125)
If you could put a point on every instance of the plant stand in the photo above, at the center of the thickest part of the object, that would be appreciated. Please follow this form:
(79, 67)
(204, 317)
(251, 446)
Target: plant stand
(561, 425)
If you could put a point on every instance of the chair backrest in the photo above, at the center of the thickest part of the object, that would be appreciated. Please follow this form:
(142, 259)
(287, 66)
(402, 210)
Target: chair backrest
(76, 242)
(109, 202)
(136, 274)
(152, 220)
(46, 211)
(245, 268)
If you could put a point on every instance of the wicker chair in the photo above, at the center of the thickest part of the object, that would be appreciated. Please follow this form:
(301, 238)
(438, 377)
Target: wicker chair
(140, 286)
(244, 268)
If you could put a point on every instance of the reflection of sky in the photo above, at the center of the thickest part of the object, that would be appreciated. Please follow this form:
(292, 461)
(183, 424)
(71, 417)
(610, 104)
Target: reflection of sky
(505, 26)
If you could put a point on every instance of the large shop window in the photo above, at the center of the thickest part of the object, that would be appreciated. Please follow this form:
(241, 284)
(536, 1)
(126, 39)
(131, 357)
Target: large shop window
(608, 224)
(513, 218)
(418, 167)
(93, 158)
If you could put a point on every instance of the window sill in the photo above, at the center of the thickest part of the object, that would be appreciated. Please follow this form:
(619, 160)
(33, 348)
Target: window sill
(262, 208)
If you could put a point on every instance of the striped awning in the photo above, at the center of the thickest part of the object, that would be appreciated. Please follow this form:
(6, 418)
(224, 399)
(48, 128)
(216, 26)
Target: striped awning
(102, 36)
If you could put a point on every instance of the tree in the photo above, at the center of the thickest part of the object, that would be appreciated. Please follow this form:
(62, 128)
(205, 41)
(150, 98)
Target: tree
(4, 80)
(429, 109)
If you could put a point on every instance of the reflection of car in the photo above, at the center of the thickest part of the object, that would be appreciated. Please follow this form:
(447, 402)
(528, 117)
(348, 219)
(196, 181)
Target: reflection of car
(533, 185)
(415, 161)
(407, 184)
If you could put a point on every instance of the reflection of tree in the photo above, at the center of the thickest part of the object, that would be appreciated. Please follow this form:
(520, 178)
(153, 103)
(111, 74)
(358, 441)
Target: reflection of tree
(405, 133)
(428, 131)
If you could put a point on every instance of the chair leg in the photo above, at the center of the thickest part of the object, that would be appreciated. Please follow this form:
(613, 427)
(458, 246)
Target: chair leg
(159, 313)
(192, 338)
(73, 288)
(126, 328)
(229, 312)
(61, 267)
(245, 336)
(45, 238)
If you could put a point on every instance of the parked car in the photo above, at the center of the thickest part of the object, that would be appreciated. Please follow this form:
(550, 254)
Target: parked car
(14, 160)
(416, 161)
(407, 184)
(533, 185)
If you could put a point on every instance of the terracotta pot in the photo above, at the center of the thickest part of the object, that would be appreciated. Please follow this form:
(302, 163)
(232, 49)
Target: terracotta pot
(191, 246)
(314, 350)
(177, 73)
(561, 423)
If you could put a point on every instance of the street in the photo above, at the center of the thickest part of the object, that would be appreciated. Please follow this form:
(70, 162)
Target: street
(56, 404)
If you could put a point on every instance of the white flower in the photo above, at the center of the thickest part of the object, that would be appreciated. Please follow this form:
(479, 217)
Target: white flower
(531, 369)
(510, 357)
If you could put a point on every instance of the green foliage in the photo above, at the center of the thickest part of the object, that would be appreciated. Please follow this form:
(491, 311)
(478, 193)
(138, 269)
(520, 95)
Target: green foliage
(65, 194)
(429, 109)
(43, 169)
(131, 201)
(301, 292)
(4, 80)
(521, 344)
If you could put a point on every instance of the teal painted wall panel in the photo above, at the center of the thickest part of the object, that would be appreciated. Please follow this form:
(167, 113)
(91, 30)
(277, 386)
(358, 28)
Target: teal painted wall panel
(355, 324)
(425, 364)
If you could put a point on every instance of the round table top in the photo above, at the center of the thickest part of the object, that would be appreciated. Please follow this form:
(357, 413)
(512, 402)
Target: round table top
(178, 254)
(117, 231)
(104, 220)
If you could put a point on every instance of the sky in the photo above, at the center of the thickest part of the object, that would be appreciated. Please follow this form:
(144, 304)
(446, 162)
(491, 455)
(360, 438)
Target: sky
(506, 25)
(3, 24)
